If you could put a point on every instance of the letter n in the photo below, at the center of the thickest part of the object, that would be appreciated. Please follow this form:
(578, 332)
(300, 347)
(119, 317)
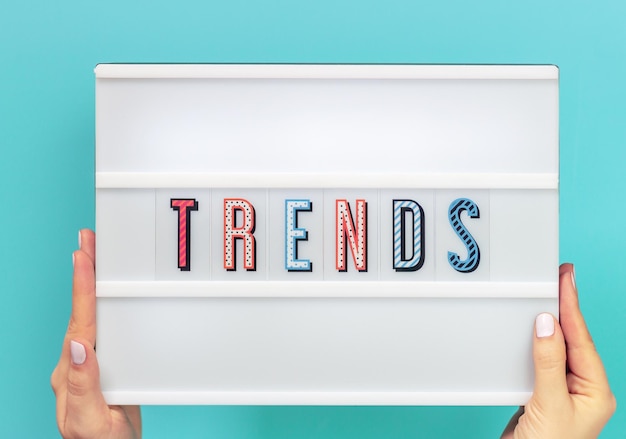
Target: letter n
(350, 234)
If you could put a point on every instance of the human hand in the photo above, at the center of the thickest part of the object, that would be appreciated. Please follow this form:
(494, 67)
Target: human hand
(81, 409)
(572, 398)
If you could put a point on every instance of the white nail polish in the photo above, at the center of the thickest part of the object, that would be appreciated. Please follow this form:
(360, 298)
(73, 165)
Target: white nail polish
(573, 273)
(544, 325)
(79, 240)
(73, 259)
(77, 353)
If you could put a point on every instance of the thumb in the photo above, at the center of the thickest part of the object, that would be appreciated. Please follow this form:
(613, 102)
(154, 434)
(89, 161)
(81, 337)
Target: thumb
(86, 407)
(550, 362)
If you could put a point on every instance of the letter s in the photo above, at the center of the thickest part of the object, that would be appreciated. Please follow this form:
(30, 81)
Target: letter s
(473, 252)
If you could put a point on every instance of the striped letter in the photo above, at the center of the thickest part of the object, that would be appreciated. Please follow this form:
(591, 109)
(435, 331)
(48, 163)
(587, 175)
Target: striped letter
(245, 231)
(293, 234)
(356, 237)
(183, 206)
(408, 254)
(473, 252)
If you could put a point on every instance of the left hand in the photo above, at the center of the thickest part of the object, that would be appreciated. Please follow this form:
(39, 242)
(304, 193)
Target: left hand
(81, 409)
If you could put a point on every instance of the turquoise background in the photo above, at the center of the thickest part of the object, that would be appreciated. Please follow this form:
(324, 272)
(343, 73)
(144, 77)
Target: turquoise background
(47, 54)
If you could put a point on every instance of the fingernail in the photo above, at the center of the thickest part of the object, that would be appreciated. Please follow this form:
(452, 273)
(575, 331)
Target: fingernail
(77, 353)
(79, 240)
(73, 259)
(544, 325)
(573, 274)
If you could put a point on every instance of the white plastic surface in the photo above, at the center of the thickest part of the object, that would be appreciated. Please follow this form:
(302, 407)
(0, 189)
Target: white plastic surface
(432, 134)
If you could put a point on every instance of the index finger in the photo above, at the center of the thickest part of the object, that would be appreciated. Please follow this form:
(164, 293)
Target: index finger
(83, 317)
(87, 243)
(582, 357)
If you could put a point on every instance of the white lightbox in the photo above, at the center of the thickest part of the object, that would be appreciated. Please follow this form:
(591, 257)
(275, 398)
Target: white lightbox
(324, 234)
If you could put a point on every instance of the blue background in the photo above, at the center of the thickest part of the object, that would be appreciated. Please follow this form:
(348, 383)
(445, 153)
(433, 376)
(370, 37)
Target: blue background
(47, 54)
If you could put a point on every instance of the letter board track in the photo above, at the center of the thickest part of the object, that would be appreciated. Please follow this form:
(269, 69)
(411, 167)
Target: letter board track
(324, 234)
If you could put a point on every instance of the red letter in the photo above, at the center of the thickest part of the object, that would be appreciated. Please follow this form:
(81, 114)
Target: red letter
(183, 206)
(245, 232)
(345, 231)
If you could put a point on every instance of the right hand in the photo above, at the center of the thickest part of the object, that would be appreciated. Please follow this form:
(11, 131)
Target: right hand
(572, 398)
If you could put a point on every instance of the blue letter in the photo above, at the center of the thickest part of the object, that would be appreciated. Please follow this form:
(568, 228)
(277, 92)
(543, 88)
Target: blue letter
(415, 259)
(473, 252)
(293, 234)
